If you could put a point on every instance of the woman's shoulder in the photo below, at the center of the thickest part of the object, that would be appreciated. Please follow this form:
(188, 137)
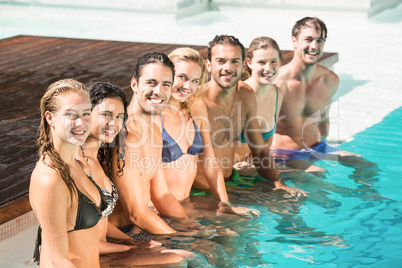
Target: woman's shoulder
(48, 193)
(199, 112)
(199, 107)
(45, 176)
(278, 89)
(245, 89)
(246, 96)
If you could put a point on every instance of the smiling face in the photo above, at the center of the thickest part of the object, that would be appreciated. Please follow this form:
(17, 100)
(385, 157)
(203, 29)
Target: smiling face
(264, 65)
(186, 80)
(72, 121)
(309, 45)
(153, 88)
(107, 120)
(225, 65)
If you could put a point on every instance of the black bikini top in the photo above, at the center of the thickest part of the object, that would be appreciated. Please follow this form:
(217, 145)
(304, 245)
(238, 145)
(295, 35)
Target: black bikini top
(88, 213)
(111, 198)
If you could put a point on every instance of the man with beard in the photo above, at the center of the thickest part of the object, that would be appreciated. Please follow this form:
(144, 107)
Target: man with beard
(232, 109)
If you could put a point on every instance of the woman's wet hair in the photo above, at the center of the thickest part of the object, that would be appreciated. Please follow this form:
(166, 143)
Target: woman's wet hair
(310, 22)
(190, 55)
(99, 91)
(262, 42)
(150, 58)
(225, 40)
(51, 102)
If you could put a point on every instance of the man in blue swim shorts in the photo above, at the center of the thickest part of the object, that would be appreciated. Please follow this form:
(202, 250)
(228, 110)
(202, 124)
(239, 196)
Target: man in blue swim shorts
(308, 89)
(320, 150)
(304, 157)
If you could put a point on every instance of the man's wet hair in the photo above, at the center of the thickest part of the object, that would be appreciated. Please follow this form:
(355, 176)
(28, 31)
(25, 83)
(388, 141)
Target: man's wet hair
(225, 39)
(150, 58)
(310, 22)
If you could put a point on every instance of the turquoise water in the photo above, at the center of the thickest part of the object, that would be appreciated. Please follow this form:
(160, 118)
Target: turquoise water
(352, 218)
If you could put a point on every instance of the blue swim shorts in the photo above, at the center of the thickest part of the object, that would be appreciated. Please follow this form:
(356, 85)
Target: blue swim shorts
(315, 152)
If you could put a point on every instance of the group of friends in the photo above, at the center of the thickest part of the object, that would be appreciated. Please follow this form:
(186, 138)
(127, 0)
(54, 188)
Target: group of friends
(113, 176)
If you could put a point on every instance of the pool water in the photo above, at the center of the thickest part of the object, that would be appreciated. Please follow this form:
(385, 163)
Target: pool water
(352, 218)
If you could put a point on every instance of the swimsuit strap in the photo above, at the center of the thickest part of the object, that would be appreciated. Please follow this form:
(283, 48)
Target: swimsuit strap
(79, 163)
(195, 127)
(85, 155)
(38, 244)
(197, 145)
(276, 108)
(75, 185)
(160, 116)
(93, 182)
(90, 175)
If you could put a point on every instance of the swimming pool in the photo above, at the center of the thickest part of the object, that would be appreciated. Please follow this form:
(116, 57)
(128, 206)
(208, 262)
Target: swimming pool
(351, 220)
(346, 222)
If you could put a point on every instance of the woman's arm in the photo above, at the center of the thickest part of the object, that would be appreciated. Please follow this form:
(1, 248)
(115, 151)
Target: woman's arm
(163, 200)
(51, 212)
(115, 233)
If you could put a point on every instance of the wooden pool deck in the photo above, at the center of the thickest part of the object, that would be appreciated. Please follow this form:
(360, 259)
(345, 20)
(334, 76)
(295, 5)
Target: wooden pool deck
(28, 65)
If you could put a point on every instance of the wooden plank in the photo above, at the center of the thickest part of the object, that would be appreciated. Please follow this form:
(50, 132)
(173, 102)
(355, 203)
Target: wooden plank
(28, 48)
(17, 208)
(28, 65)
(15, 191)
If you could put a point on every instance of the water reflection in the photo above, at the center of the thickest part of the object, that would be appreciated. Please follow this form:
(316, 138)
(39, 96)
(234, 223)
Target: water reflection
(288, 227)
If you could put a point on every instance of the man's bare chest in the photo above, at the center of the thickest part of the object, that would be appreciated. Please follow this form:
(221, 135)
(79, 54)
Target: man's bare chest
(305, 101)
(227, 122)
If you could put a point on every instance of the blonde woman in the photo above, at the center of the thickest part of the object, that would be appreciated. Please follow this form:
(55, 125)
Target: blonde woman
(65, 200)
(186, 137)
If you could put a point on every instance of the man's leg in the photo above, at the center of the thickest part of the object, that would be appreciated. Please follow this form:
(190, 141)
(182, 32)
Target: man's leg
(354, 160)
(306, 165)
